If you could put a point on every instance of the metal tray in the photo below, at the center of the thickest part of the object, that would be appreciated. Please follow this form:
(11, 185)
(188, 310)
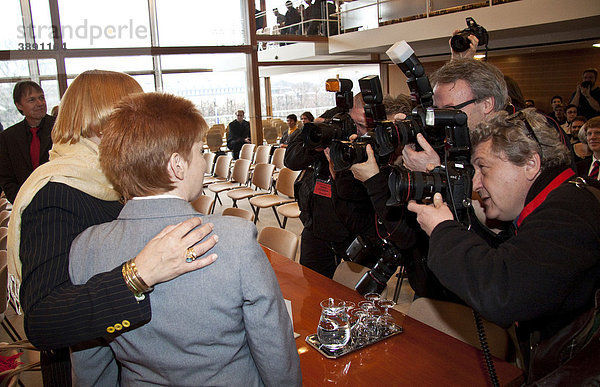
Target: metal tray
(313, 341)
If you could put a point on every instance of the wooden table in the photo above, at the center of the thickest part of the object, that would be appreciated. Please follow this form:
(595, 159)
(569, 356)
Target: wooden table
(420, 356)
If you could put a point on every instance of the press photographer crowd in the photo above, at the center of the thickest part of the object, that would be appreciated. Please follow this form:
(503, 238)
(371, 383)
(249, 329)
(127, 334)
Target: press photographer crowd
(479, 199)
(466, 190)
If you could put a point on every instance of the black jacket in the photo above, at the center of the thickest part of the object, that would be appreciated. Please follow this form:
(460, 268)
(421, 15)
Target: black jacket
(15, 161)
(238, 132)
(542, 277)
(347, 213)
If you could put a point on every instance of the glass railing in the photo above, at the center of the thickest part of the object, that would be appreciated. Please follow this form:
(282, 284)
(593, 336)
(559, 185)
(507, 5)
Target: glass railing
(358, 15)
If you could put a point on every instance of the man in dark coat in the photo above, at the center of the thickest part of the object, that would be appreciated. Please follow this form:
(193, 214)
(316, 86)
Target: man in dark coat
(292, 16)
(239, 134)
(25, 145)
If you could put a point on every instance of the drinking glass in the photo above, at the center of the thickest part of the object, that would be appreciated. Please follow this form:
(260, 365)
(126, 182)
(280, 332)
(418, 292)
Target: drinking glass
(333, 330)
(373, 297)
(386, 323)
(359, 333)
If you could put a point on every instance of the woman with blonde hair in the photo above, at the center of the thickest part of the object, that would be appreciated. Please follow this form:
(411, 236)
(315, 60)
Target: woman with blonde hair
(61, 199)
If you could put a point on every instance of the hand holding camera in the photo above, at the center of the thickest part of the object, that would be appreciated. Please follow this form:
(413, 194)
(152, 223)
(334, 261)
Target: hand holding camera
(585, 88)
(463, 44)
(429, 216)
(471, 49)
(366, 170)
(420, 161)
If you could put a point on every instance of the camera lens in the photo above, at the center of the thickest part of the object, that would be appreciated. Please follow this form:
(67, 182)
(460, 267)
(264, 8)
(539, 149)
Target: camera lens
(460, 42)
(406, 185)
(344, 154)
(318, 135)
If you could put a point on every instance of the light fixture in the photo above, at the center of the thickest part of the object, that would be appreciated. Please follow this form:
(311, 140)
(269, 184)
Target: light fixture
(479, 56)
(596, 45)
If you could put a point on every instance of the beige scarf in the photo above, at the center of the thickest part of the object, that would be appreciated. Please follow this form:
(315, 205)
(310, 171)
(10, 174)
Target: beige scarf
(76, 165)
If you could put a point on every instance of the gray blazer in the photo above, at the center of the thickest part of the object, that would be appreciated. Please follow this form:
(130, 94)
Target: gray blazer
(223, 325)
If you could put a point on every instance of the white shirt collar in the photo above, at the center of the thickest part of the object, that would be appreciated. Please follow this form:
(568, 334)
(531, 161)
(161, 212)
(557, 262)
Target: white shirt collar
(159, 196)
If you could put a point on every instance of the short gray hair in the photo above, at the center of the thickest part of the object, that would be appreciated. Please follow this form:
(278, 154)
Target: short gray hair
(484, 79)
(512, 138)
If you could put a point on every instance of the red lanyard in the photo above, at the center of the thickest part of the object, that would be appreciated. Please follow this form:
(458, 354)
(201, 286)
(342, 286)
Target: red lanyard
(539, 199)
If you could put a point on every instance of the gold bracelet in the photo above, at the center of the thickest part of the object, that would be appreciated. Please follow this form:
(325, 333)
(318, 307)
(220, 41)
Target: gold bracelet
(133, 280)
(138, 277)
(128, 282)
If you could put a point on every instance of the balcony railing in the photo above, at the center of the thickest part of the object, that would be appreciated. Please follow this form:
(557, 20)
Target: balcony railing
(359, 15)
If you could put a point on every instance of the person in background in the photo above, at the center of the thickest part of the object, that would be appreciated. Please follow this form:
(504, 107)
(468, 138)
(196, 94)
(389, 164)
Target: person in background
(570, 114)
(515, 94)
(54, 111)
(559, 114)
(61, 199)
(313, 14)
(292, 123)
(522, 173)
(579, 140)
(554, 102)
(590, 134)
(279, 17)
(307, 117)
(529, 103)
(216, 326)
(238, 134)
(292, 18)
(587, 95)
(399, 104)
(25, 145)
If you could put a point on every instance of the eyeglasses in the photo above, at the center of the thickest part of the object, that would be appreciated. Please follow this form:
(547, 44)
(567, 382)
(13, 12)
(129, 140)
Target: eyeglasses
(462, 105)
(521, 116)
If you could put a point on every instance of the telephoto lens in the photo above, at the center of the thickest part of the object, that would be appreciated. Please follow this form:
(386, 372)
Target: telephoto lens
(406, 185)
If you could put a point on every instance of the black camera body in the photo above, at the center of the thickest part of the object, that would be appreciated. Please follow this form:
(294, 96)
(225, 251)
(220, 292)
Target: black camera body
(340, 126)
(586, 84)
(447, 132)
(460, 42)
(344, 154)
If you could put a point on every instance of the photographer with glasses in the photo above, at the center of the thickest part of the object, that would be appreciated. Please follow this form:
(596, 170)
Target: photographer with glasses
(478, 89)
(546, 273)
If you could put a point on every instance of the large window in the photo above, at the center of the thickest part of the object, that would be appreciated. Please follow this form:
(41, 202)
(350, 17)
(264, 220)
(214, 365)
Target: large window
(12, 31)
(107, 23)
(10, 70)
(218, 88)
(200, 23)
(305, 91)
